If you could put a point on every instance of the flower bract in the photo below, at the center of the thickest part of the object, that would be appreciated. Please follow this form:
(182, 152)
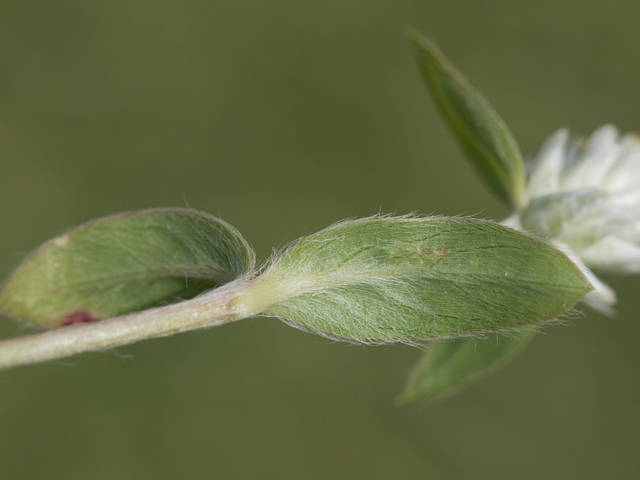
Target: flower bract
(584, 197)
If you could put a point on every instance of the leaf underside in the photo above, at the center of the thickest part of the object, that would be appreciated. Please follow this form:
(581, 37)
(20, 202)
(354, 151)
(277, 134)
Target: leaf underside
(483, 135)
(447, 366)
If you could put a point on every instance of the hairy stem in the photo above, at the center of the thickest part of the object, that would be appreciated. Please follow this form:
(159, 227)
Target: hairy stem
(224, 304)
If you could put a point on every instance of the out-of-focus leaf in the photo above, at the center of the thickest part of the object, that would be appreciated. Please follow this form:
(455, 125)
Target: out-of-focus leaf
(407, 279)
(124, 263)
(482, 133)
(450, 365)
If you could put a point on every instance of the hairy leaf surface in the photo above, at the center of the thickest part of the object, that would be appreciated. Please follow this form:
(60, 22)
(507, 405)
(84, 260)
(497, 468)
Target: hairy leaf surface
(124, 263)
(407, 279)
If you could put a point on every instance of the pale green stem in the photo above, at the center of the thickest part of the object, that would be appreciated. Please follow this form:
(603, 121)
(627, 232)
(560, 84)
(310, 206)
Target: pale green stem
(233, 301)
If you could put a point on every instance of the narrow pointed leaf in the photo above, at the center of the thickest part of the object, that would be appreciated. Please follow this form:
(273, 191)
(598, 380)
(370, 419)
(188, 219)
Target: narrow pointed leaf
(124, 263)
(449, 365)
(382, 279)
(483, 135)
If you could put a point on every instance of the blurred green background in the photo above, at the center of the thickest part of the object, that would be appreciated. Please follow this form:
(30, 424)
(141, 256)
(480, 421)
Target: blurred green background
(283, 117)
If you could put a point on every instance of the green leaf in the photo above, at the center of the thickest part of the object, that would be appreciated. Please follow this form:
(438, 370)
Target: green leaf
(450, 365)
(484, 136)
(407, 279)
(124, 263)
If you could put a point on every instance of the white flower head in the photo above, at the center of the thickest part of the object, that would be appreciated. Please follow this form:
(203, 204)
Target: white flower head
(584, 197)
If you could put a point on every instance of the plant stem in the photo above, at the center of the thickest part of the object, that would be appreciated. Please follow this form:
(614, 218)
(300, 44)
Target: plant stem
(213, 308)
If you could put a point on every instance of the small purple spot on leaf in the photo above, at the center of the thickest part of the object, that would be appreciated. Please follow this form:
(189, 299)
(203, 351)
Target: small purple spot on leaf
(78, 316)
